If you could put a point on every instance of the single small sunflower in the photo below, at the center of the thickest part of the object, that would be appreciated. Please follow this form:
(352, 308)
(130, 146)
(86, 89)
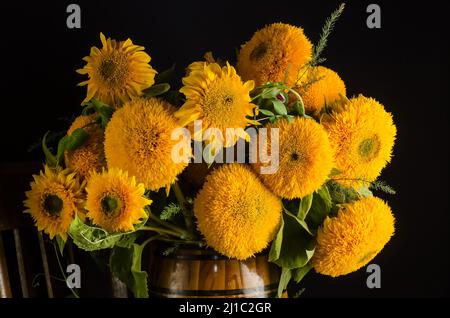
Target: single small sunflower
(362, 134)
(352, 239)
(118, 72)
(305, 158)
(323, 87)
(90, 156)
(273, 52)
(54, 199)
(235, 212)
(115, 201)
(218, 98)
(138, 139)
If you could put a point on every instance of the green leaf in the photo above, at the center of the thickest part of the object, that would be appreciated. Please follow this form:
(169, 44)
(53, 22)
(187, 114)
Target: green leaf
(105, 111)
(285, 277)
(77, 138)
(279, 107)
(61, 148)
(105, 115)
(125, 264)
(174, 97)
(340, 194)
(127, 240)
(50, 159)
(90, 238)
(270, 92)
(302, 223)
(156, 90)
(266, 112)
(290, 118)
(296, 247)
(88, 109)
(275, 249)
(165, 76)
(61, 243)
(299, 107)
(334, 172)
(304, 206)
(299, 273)
(365, 192)
(320, 207)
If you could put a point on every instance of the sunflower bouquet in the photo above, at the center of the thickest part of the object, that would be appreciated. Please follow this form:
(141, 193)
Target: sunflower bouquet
(269, 154)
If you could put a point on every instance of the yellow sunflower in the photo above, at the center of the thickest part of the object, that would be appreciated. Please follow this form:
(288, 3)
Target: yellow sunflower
(90, 156)
(325, 88)
(235, 212)
(117, 72)
(219, 98)
(305, 158)
(138, 139)
(115, 201)
(274, 51)
(352, 239)
(54, 198)
(363, 135)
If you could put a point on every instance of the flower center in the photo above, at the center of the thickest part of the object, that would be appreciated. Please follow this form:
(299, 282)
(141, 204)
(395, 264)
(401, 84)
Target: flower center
(114, 70)
(295, 156)
(52, 205)
(111, 205)
(258, 52)
(222, 106)
(228, 100)
(369, 148)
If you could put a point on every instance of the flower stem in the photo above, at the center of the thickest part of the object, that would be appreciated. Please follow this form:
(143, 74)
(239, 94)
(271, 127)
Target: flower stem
(297, 95)
(182, 241)
(183, 204)
(178, 232)
(75, 294)
(161, 231)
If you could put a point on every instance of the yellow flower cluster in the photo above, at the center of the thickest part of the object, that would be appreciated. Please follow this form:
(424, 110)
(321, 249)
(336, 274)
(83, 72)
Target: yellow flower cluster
(305, 158)
(317, 137)
(275, 53)
(138, 140)
(352, 239)
(235, 212)
(362, 134)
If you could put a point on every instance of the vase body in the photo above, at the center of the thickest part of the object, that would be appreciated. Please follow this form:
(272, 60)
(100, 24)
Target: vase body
(197, 272)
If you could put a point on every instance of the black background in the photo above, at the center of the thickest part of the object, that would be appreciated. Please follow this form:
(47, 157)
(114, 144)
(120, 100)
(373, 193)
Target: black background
(404, 65)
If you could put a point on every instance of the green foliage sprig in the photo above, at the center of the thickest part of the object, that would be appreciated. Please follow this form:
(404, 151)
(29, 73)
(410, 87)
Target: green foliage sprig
(326, 31)
(170, 211)
(382, 186)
